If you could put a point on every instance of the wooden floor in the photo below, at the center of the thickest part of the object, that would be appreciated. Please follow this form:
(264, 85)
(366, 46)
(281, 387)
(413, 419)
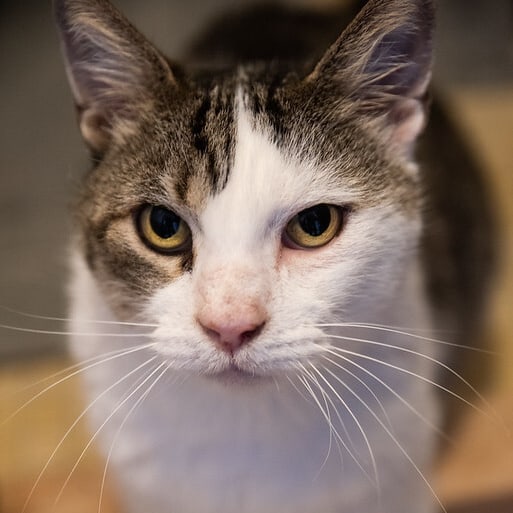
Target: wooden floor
(475, 475)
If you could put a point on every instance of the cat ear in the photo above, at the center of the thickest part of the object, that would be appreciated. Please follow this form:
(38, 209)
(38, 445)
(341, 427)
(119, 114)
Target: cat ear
(111, 68)
(381, 65)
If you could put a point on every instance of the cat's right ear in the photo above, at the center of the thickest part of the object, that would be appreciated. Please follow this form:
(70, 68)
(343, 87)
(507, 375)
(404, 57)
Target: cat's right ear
(111, 68)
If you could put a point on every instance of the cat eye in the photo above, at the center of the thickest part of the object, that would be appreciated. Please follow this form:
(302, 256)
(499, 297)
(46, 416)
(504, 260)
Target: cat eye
(163, 230)
(314, 227)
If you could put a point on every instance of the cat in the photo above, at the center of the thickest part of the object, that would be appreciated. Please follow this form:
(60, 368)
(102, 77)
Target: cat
(269, 262)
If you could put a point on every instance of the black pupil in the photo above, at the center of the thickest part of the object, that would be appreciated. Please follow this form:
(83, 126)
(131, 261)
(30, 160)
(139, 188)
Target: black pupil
(164, 222)
(316, 220)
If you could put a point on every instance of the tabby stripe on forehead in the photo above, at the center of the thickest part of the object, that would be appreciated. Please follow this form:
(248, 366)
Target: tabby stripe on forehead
(199, 124)
(201, 141)
(265, 102)
(212, 136)
(273, 107)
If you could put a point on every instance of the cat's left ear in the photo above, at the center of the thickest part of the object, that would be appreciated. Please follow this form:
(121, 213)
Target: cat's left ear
(112, 68)
(380, 68)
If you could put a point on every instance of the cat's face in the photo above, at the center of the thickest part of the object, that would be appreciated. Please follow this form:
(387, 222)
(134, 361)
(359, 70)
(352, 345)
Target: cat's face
(239, 214)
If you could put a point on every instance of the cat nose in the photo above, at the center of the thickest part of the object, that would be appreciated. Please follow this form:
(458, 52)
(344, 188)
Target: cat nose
(230, 333)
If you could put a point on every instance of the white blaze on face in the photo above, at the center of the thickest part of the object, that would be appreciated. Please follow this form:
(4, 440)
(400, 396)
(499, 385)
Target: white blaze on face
(238, 252)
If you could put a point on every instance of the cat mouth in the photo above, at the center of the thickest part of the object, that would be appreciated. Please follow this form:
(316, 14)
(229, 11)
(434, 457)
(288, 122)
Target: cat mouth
(235, 375)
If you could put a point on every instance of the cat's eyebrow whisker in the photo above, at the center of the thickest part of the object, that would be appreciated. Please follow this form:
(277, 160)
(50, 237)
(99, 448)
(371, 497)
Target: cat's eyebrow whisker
(68, 319)
(81, 369)
(390, 389)
(97, 432)
(390, 434)
(122, 425)
(375, 482)
(493, 416)
(74, 333)
(397, 331)
(75, 423)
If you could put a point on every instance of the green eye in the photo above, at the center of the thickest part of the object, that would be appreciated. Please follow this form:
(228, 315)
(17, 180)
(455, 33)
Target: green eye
(314, 227)
(163, 230)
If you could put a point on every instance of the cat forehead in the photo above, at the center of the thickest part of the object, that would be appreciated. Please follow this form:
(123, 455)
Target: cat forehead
(222, 120)
(267, 143)
(253, 139)
(265, 185)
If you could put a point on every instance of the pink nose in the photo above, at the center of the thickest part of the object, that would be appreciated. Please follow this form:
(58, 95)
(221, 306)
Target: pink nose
(230, 333)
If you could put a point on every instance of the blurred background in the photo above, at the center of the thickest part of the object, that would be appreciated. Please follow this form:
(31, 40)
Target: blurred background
(41, 161)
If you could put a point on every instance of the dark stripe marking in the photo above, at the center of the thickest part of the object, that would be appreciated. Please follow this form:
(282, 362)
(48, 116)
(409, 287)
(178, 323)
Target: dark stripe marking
(198, 126)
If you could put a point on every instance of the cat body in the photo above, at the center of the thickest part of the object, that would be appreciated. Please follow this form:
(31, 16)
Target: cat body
(251, 239)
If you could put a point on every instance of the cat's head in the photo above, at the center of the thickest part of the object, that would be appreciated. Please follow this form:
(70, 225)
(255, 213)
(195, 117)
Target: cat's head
(238, 211)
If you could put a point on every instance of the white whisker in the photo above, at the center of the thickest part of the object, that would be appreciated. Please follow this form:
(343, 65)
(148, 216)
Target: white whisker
(430, 359)
(390, 389)
(326, 414)
(337, 413)
(70, 368)
(374, 481)
(338, 438)
(74, 333)
(67, 319)
(296, 388)
(97, 432)
(391, 436)
(118, 432)
(276, 384)
(391, 329)
(368, 388)
(74, 424)
(73, 374)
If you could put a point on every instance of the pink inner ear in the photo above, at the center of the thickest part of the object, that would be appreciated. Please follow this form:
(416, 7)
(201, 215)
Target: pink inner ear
(408, 123)
(95, 130)
(409, 116)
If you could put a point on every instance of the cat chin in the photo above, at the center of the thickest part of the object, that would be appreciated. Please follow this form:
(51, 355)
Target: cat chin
(235, 376)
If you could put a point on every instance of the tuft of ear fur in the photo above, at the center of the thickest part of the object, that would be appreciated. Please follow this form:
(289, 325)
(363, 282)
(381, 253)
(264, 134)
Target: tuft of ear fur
(382, 64)
(110, 66)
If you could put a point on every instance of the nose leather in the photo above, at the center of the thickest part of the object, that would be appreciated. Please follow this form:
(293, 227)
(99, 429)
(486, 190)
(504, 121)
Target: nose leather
(232, 328)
